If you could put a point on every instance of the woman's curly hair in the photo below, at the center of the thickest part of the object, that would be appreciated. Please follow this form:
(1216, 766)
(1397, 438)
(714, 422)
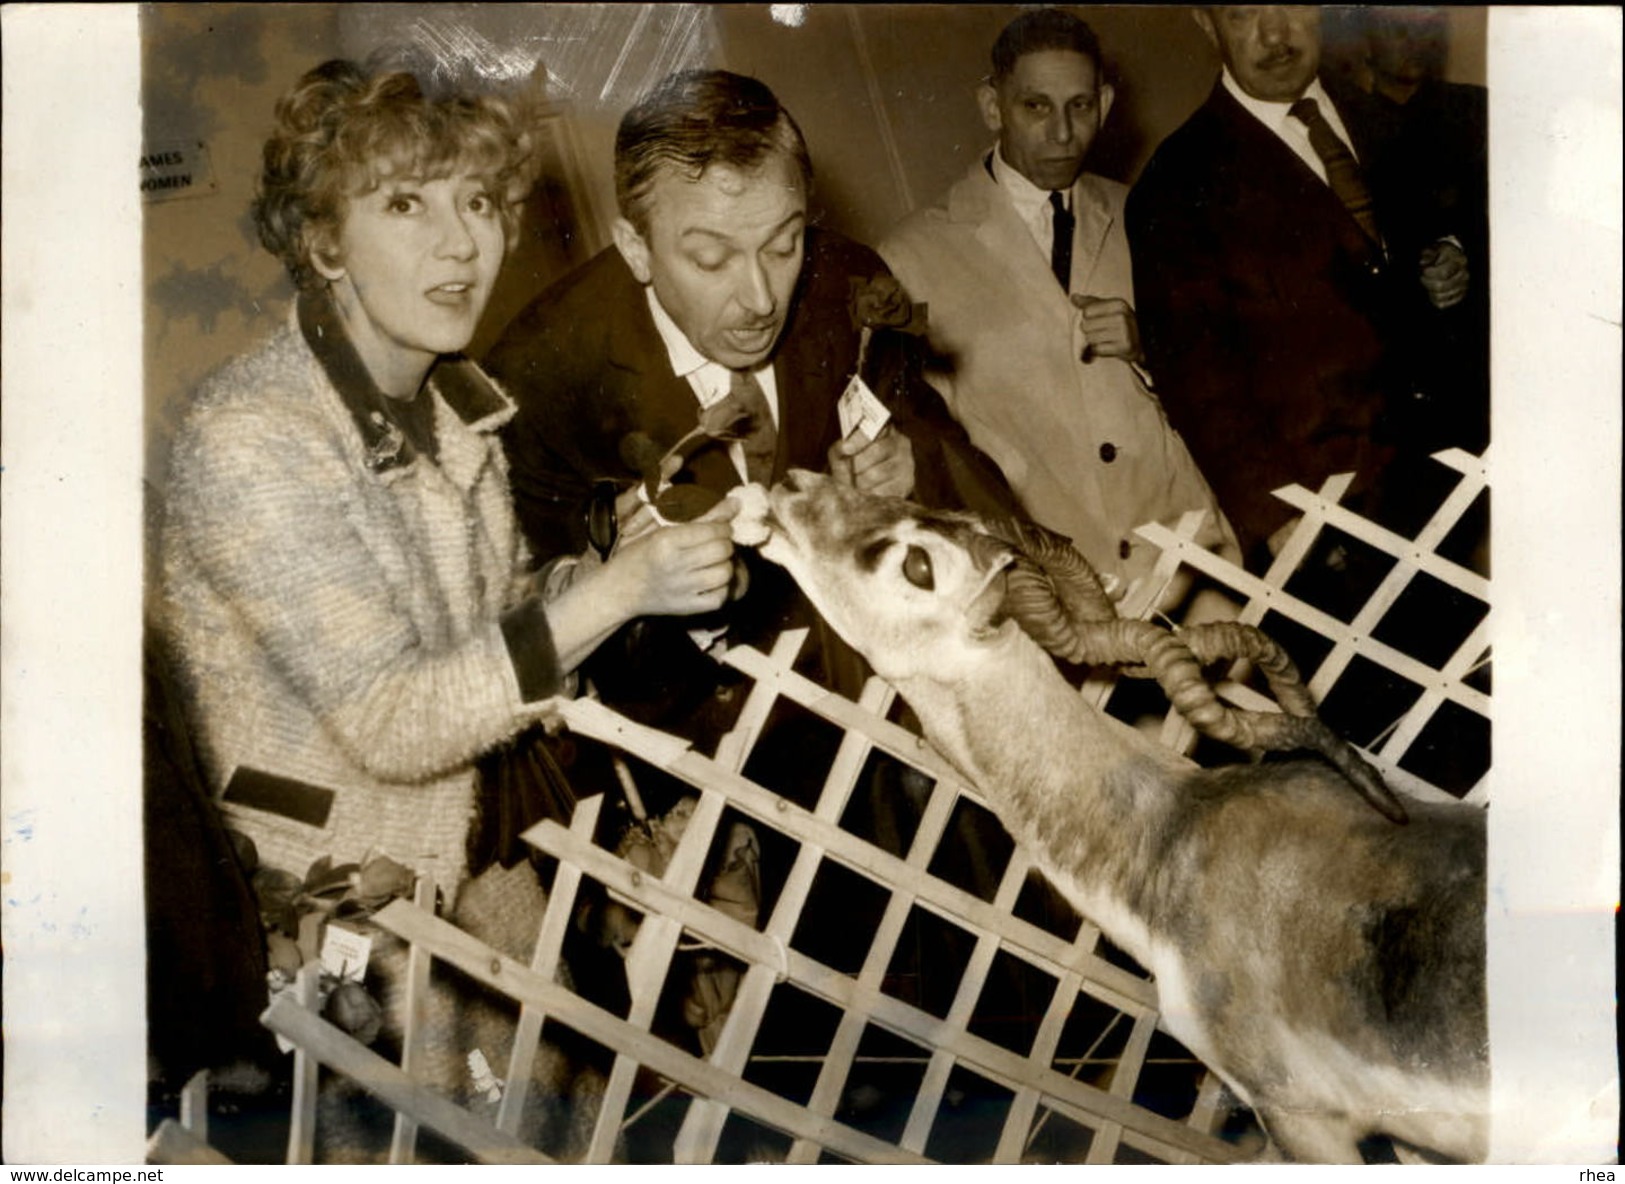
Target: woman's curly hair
(344, 128)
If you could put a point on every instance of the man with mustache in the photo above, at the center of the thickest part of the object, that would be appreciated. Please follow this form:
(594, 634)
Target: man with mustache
(1025, 267)
(1287, 275)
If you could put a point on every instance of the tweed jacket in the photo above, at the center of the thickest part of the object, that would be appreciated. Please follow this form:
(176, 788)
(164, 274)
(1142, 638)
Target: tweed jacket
(336, 604)
(586, 366)
(1084, 443)
(1271, 322)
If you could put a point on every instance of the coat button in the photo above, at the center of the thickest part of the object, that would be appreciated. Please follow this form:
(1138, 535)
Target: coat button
(1123, 549)
(1108, 452)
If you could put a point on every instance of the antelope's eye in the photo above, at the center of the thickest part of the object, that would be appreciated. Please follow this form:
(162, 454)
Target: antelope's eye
(917, 569)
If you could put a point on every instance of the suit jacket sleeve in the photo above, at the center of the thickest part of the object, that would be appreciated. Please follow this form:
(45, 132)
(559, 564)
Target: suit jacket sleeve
(545, 362)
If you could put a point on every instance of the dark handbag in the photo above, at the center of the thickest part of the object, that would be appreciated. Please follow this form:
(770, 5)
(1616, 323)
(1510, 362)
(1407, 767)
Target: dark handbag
(518, 784)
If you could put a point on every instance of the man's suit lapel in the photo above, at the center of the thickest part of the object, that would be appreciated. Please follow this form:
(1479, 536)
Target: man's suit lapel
(802, 371)
(1000, 231)
(658, 402)
(1094, 221)
(1272, 177)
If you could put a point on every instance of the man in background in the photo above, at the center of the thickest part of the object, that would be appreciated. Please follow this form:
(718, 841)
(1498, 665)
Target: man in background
(1286, 275)
(1024, 265)
(1437, 136)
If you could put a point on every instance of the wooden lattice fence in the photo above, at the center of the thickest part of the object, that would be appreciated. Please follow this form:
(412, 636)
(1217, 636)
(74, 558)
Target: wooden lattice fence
(1082, 1078)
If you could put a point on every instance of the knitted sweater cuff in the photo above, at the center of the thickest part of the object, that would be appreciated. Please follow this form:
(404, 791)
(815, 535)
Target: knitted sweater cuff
(531, 650)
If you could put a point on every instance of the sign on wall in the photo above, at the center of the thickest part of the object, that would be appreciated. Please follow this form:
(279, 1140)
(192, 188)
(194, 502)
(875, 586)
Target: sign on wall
(178, 169)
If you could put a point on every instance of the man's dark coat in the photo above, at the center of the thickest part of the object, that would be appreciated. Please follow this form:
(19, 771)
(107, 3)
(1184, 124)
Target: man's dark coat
(1277, 332)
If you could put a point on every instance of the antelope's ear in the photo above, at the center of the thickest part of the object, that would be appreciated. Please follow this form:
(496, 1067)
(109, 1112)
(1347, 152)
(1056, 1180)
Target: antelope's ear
(985, 612)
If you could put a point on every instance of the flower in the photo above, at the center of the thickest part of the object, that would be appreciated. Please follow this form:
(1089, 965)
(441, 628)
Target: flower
(725, 420)
(882, 303)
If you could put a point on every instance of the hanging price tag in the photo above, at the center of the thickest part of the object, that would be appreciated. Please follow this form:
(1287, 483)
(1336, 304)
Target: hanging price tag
(860, 410)
(345, 953)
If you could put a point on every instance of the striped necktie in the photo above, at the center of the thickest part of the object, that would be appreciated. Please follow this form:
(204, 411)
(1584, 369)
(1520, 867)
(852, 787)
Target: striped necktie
(762, 442)
(1342, 170)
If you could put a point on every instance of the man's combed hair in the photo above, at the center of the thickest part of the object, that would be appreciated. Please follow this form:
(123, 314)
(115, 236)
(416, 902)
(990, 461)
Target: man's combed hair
(343, 129)
(694, 120)
(1038, 30)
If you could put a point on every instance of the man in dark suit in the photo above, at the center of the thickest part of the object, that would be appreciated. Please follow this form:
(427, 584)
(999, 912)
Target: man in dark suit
(717, 289)
(715, 283)
(1285, 274)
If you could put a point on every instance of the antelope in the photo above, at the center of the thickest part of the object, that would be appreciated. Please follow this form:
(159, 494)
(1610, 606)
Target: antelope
(1324, 957)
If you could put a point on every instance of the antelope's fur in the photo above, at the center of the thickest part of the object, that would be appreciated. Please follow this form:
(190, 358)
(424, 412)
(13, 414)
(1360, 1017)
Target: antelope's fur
(1328, 964)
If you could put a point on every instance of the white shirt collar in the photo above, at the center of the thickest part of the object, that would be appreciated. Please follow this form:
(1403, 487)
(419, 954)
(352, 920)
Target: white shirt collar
(709, 380)
(1031, 202)
(1278, 118)
(1027, 196)
(685, 359)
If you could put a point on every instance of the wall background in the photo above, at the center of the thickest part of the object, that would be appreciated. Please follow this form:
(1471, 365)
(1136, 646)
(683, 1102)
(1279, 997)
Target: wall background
(884, 94)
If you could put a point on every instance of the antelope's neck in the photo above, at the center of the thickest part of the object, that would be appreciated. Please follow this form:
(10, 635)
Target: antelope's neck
(1089, 797)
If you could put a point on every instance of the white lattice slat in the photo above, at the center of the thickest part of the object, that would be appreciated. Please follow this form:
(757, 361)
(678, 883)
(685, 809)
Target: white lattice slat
(1107, 982)
(1204, 1116)
(1263, 597)
(321, 1043)
(1302, 537)
(972, 982)
(649, 960)
(735, 748)
(403, 1140)
(545, 959)
(172, 1143)
(306, 1075)
(1387, 541)
(1463, 662)
(517, 981)
(1124, 1077)
(826, 1095)
(843, 713)
(1024, 1108)
(863, 1001)
(195, 1105)
(702, 1125)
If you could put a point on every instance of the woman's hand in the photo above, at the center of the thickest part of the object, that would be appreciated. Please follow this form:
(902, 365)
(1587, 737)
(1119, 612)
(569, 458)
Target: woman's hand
(675, 570)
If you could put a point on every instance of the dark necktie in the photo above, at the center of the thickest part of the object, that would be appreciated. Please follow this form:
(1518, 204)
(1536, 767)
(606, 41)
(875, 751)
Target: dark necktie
(1342, 170)
(1060, 251)
(762, 441)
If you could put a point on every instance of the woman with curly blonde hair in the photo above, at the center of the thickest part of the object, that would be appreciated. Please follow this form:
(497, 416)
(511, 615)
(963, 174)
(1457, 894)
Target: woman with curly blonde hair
(355, 618)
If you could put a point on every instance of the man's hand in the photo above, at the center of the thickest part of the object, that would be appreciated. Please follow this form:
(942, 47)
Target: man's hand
(1444, 274)
(1109, 328)
(883, 466)
(676, 570)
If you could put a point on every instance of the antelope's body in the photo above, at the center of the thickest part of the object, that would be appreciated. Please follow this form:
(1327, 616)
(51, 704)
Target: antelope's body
(1326, 962)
